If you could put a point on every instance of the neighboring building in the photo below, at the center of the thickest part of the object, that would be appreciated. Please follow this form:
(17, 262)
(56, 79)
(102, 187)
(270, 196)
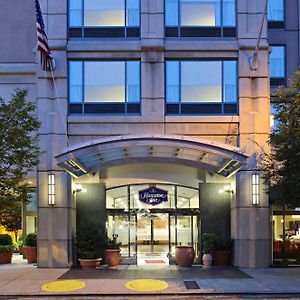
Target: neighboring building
(152, 94)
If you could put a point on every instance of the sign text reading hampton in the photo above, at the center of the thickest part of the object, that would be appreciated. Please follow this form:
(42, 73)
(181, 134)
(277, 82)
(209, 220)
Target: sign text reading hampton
(153, 196)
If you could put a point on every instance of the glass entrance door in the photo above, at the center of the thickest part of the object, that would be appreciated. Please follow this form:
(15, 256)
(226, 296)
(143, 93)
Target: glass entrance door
(153, 238)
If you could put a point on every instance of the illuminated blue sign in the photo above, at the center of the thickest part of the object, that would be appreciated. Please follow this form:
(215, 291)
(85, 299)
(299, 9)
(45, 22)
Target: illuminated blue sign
(153, 196)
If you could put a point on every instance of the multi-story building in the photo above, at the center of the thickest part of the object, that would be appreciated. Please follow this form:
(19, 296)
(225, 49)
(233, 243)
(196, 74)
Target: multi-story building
(152, 120)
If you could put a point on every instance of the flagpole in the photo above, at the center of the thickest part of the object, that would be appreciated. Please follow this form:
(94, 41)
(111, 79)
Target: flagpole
(253, 61)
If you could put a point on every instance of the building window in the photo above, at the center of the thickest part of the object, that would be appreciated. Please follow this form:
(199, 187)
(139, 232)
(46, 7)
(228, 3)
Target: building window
(105, 18)
(277, 66)
(104, 87)
(186, 18)
(201, 87)
(275, 10)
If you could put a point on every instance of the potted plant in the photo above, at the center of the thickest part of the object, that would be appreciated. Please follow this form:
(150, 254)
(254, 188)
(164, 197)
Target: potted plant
(222, 254)
(88, 245)
(112, 252)
(184, 256)
(30, 247)
(209, 240)
(6, 249)
(20, 245)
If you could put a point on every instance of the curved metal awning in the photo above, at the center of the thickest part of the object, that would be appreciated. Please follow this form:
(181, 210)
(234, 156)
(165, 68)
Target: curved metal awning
(107, 152)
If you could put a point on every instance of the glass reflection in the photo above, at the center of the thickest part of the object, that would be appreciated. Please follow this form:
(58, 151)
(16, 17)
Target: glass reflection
(201, 81)
(104, 13)
(277, 61)
(200, 13)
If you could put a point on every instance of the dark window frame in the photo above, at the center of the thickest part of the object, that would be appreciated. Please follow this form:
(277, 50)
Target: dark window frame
(103, 31)
(200, 31)
(203, 108)
(106, 108)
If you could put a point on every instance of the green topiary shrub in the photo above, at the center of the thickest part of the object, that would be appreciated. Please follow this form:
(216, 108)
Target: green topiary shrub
(209, 243)
(6, 243)
(30, 240)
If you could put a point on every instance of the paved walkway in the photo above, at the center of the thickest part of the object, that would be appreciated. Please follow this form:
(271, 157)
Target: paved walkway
(24, 279)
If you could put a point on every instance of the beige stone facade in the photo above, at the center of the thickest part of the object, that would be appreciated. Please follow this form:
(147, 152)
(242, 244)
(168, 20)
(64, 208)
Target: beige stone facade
(250, 225)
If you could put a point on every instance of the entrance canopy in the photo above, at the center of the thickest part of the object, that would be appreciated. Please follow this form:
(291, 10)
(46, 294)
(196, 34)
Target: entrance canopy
(100, 154)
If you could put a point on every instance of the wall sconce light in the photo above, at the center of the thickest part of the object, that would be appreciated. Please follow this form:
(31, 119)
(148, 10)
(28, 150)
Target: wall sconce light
(226, 189)
(255, 189)
(51, 189)
(79, 189)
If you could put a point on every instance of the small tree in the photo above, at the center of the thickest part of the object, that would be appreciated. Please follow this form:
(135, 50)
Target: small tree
(19, 151)
(11, 219)
(282, 165)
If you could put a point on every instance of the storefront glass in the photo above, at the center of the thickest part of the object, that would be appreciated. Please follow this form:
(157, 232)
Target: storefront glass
(286, 237)
(147, 229)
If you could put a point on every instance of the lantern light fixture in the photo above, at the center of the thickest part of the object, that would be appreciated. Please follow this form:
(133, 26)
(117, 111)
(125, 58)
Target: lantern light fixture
(51, 189)
(255, 189)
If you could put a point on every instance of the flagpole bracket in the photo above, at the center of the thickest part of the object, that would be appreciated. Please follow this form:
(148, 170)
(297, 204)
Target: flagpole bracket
(53, 63)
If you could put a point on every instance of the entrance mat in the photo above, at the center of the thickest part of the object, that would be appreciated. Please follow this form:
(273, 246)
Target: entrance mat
(191, 285)
(158, 271)
(154, 261)
(153, 254)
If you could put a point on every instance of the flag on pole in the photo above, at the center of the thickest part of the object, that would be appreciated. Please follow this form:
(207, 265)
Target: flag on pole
(42, 40)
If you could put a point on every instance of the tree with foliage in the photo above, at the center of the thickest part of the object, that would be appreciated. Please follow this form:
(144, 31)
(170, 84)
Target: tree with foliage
(282, 165)
(11, 218)
(19, 151)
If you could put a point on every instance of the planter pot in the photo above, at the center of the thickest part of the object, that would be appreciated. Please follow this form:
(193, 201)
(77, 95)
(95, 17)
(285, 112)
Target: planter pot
(21, 250)
(112, 258)
(30, 254)
(89, 263)
(207, 260)
(5, 257)
(184, 256)
(222, 258)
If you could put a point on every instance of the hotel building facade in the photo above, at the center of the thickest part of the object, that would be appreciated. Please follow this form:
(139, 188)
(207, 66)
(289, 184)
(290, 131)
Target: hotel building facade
(150, 97)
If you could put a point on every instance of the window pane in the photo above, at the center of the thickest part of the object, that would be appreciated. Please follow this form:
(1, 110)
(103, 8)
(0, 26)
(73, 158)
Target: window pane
(277, 60)
(172, 79)
(201, 81)
(171, 13)
(230, 81)
(104, 13)
(200, 13)
(75, 13)
(133, 13)
(75, 79)
(104, 82)
(275, 10)
(229, 13)
(133, 81)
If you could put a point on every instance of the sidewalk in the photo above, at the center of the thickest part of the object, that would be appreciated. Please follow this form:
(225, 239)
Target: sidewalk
(20, 279)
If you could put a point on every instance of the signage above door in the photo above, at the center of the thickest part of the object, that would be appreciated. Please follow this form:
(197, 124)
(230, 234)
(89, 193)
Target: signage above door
(153, 196)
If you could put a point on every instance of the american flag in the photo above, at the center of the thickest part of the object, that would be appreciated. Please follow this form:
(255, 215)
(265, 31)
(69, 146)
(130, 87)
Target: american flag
(42, 40)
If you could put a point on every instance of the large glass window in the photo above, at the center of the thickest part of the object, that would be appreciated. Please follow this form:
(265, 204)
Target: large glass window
(104, 86)
(102, 18)
(276, 10)
(201, 87)
(191, 15)
(277, 65)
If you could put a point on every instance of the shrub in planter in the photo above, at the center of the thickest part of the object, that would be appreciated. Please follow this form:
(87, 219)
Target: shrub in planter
(6, 248)
(30, 247)
(209, 245)
(112, 251)
(223, 251)
(88, 245)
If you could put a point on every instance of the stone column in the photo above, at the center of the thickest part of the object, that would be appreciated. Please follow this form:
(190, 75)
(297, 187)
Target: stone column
(152, 59)
(251, 223)
(54, 221)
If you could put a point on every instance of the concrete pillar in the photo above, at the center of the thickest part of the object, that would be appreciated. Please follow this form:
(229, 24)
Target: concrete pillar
(152, 58)
(56, 222)
(251, 223)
